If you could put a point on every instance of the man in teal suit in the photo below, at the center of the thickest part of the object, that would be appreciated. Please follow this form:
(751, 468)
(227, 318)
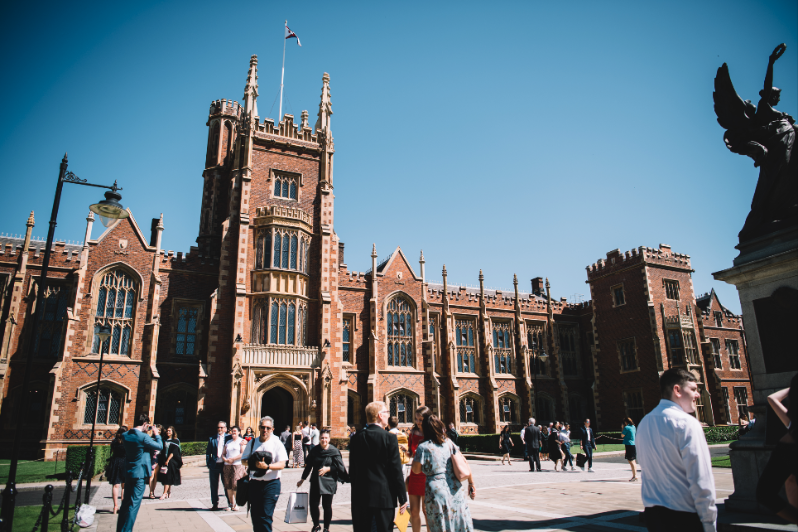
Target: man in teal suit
(137, 449)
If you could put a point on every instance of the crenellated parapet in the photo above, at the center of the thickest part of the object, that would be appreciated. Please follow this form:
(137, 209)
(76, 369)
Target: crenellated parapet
(224, 107)
(282, 215)
(616, 261)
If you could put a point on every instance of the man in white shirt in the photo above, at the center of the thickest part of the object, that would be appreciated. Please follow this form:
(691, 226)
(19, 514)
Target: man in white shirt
(314, 436)
(213, 459)
(264, 486)
(678, 487)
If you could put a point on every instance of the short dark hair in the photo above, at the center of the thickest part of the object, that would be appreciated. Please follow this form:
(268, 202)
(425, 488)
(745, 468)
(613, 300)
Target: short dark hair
(433, 429)
(671, 378)
(312, 424)
(143, 419)
(324, 431)
(235, 427)
(393, 421)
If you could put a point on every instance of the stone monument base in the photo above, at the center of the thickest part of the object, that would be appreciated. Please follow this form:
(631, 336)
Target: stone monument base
(766, 277)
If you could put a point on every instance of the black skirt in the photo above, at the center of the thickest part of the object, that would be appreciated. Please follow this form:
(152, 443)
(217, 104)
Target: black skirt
(115, 471)
(172, 475)
(631, 453)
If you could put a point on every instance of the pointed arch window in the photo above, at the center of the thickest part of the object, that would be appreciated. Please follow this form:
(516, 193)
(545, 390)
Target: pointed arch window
(277, 242)
(116, 298)
(502, 348)
(293, 251)
(51, 321)
(263, 251)
(469, 410)
(259, 318)
(401, 406)
(274, 320)
(507, 409)
(110, 406)
(466, 352)
(290, 325)
(281, 339)
(399, 322)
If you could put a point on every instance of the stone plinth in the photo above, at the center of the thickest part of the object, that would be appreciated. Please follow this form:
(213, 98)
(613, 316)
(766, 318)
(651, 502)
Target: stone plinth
(766, 277)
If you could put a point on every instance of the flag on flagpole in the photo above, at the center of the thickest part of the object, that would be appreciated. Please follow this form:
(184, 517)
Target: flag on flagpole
(290, 34)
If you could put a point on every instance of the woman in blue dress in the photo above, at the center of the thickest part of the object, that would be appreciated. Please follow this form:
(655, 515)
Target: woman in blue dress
(445, 495)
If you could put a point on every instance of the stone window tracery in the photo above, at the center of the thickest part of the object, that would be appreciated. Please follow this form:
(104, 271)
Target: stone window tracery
(285, 187)
(469, 410)
(401, 406)
(502, 347)
(51, 321)
(110, 409)
(186, 330)
(507, 409)
(466, 352)
(399, 323)
(279, 321)
(568, 350)
(536, 342)
(116, 302)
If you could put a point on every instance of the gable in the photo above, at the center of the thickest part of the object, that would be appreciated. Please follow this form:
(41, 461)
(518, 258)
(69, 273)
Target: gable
(396, 263)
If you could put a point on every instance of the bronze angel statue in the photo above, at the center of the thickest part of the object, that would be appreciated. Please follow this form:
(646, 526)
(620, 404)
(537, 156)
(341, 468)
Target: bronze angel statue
(768, 137)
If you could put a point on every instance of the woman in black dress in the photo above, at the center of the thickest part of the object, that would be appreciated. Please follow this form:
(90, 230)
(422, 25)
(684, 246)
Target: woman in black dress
(327, 467)
(117, 465)
(170, 460)
(555, 453)
(505, 444)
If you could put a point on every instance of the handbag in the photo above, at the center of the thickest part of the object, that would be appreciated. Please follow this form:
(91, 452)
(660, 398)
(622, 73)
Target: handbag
(580, 460)
(297, 509)
(460, 465)
(84, 517)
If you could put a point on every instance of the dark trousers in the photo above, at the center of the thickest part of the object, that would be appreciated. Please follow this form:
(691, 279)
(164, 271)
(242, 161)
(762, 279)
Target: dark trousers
(263, 495)
(661, 519)
(326, 502)
(214, 475)
(364, 516)
(134, 491)
(588, 449)
(567, 457)
(526, 455)
(533, 457)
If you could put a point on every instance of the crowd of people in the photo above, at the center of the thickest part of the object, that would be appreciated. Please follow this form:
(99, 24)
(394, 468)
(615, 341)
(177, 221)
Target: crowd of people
(414, 470)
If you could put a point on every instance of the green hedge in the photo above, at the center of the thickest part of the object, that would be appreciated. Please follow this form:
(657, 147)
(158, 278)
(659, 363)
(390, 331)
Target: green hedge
(193, 448)
(76, 454)
(489, 443)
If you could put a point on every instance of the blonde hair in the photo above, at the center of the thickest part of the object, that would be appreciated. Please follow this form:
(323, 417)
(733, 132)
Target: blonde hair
(373, 411)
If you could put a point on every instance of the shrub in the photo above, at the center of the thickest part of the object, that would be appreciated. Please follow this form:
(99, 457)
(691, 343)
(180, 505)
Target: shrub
(340, 443)
(488, 443)
(193, 448)
(721, 434)
(76, 454)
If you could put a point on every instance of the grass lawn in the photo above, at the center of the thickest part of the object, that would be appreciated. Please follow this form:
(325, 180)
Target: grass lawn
(28, 471)
(25, 517)
(721, 461)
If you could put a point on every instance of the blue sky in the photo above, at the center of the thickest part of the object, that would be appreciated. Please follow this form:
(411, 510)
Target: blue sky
(517, 137)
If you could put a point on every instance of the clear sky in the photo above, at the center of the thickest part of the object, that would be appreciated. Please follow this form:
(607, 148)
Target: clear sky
(521, 137)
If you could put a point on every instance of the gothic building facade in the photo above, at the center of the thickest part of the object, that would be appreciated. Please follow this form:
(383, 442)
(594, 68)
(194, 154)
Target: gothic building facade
(263, 317)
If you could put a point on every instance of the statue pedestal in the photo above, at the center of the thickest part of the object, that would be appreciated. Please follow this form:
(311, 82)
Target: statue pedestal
(766, 277)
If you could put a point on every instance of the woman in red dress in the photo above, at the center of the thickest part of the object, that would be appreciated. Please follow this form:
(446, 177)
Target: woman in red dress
(417, 482)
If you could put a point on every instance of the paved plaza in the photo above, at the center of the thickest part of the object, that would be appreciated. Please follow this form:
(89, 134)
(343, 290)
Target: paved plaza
(508, 498)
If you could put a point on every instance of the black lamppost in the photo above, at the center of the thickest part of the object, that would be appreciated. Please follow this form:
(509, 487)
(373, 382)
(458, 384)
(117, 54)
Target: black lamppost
(103, 332)
(538, 356)
(109, 210)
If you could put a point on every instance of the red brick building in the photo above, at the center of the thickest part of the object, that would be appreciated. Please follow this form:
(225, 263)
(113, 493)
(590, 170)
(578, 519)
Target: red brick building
(647, 320)
(263, 317)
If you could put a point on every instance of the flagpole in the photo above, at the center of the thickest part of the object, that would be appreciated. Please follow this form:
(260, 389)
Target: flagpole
(282, 78)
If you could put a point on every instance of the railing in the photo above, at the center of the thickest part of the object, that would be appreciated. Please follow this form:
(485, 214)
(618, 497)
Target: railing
(280, 356)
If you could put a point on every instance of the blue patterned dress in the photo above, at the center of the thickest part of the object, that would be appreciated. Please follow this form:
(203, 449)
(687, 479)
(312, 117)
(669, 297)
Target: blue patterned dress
(445, 496)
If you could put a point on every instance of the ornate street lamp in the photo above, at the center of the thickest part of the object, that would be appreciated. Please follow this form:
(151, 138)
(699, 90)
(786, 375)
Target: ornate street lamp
(109, 210)
(103, 332)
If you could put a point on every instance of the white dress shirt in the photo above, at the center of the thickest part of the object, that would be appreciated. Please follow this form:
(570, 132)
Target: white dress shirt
(677, 469)
(220, 448)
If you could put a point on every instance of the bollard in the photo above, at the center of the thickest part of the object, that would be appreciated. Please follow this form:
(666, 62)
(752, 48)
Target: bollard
(65, 518)
(47, 506)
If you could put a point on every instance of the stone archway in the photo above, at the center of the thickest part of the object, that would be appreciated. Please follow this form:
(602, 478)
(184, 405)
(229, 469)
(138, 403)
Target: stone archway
(279, 404)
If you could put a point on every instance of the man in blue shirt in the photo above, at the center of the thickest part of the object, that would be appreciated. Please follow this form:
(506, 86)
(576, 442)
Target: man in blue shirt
(137, 453)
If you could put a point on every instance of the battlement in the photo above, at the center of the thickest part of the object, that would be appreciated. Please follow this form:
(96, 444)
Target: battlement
(11, 245)
(266, 215)
(656, 256)
(193, 260)
(225, 107)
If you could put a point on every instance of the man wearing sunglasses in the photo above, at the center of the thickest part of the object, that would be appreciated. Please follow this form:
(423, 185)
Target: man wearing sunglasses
(213, 459)
(268, 458)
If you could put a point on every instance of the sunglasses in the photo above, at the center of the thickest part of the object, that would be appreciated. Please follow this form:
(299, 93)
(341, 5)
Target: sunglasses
(266, 428)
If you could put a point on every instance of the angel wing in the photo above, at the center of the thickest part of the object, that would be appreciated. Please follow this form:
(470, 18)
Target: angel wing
(736, 117)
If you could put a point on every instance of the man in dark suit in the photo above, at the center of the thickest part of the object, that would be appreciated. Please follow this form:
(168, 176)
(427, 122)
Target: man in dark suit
(213, 459)
(587, 443)
(375, 471)
(532, 440)
(139, 467)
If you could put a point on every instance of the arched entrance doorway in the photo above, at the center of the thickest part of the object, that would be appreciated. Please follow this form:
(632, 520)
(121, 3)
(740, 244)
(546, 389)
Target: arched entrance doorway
(279, 404)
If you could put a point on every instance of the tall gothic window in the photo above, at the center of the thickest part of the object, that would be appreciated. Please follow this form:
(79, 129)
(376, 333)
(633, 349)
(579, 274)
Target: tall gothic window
(259, 318)
(568, 350)
(466, 352)
(469, 410)
(401, 406)
(263, 253)
(51, 321)
(116, 301)
(502, 347)
(283, 325)
(278, 239)
(536, 341)
(347, 339)
(690, 348)
(293, 251)
(109, 411)
(400, 332)
(186, 338)
(290, 325)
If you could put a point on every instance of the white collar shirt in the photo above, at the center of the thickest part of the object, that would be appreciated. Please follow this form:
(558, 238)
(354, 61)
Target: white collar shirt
(219, 448)
(677, 469)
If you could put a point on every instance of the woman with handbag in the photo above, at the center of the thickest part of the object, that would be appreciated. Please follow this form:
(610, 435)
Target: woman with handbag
(233, 469)
(326, 468)
(445, 498)
(170, 462)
